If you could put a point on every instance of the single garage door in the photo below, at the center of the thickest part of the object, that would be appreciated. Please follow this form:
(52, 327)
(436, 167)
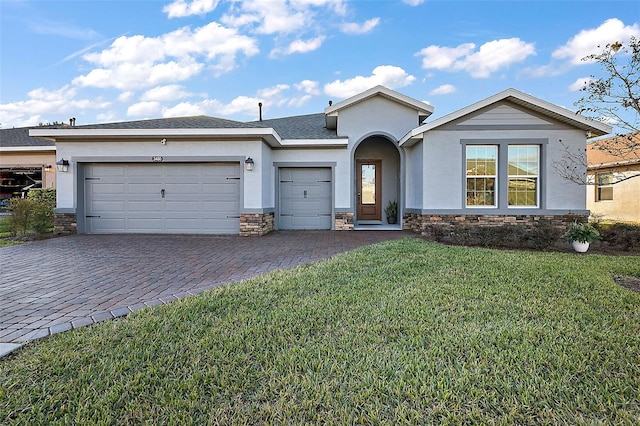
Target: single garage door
(305, 198)
(163, 198)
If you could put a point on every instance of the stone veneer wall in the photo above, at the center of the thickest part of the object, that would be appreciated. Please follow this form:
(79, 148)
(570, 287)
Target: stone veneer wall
(423, 224)
(256, 224)
(343, 222)
(65, 224)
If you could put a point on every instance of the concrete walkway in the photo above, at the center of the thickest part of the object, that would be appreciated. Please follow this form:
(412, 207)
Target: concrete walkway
(59, 284)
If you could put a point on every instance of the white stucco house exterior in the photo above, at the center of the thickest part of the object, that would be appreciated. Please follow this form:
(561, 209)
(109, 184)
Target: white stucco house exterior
(487, 163)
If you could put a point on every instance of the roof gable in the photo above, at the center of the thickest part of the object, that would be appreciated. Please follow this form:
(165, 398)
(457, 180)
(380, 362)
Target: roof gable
(520, 100)
(332, 112)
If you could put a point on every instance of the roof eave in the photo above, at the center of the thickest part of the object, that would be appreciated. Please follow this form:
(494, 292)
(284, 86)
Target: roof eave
(69, 135)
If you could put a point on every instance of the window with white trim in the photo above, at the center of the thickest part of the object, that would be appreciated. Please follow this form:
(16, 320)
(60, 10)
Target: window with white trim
(604, 186)
(482, 173)
(524, 174)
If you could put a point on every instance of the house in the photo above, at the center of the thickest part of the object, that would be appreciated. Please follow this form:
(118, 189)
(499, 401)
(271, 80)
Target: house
(488, 163)
(613, 166)
(25, 162)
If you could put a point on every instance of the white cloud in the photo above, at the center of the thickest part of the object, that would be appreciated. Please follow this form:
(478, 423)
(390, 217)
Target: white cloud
(138, 61)
(126, 96)
(165, 93)
(298, 102)
(445, 89)
(443, 58)
(586, 42)
(274, 92)
(271, 17)
(189, 109)
(299, 46)
(308, 86)
(144, 109)
(413, 2)
(491, 57)
(46, 105)
(387, 75)
(106, 117)
(245, 105)
(577, 85)
(356, 28)
(182, 8)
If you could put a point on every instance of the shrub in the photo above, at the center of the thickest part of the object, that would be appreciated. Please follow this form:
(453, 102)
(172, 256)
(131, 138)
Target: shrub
(45, 203)
(622, 235)
(34, 213)
(541, 236)
(22, 210)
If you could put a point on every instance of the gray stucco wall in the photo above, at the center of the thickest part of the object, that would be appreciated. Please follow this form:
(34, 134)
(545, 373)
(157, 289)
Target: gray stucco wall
(376, 115)
(444, 170)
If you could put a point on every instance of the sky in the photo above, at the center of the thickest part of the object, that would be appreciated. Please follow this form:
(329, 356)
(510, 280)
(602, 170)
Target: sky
(122, 60)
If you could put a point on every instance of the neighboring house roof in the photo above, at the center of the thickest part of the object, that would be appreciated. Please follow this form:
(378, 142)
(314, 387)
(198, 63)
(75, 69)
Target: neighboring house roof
(621, 150)
(331, 112)
(532, 103)
(18, 139)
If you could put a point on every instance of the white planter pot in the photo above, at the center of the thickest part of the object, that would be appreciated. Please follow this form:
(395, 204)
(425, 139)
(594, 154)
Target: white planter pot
(580, 247)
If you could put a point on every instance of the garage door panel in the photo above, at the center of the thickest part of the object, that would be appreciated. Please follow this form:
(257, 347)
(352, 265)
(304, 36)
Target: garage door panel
(220, 207)
(115, 206)
(128, 198)
(146, 207)
(188, 207)
(105, 224)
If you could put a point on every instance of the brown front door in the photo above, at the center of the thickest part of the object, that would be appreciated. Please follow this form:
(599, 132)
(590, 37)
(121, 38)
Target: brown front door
(369, 184)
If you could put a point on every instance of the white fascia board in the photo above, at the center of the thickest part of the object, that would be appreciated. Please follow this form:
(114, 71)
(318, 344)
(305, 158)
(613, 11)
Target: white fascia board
(27, 148)
(291, 143)
(268, 134)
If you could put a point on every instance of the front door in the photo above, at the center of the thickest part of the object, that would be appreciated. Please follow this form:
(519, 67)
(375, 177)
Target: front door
(369, 184)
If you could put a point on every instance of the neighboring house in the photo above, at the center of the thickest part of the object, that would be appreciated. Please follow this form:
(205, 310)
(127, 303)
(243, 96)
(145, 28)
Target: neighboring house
(614, 171)
(487, 163)
(25, 162)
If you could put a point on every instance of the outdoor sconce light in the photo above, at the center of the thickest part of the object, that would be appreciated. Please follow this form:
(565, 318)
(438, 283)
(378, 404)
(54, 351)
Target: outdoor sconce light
(248, 164)
(63, 165)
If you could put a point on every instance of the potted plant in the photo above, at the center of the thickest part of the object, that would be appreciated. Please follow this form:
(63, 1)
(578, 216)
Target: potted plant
(581, 235)
(392, 211)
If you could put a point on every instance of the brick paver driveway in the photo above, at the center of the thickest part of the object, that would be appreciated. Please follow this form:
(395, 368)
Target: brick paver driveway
(58, 284)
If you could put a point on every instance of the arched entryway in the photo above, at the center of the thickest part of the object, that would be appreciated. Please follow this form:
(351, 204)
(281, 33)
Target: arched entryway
(377, 164)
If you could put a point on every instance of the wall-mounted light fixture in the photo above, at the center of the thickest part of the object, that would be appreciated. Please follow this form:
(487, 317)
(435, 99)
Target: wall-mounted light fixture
(48, 168)
(63, 165)
(248, 164)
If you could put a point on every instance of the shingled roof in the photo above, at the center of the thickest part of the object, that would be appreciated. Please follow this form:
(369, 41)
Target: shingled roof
(615, 151)
(19, 137)
(310, 126)
(194, 122)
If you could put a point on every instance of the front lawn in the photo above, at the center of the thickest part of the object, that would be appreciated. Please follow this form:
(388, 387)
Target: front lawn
(401, 332)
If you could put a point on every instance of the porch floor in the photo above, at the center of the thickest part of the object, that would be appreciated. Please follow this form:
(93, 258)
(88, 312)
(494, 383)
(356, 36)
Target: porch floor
(377, 227)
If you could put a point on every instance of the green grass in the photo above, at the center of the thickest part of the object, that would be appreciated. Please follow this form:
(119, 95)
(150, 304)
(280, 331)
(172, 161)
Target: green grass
(404, 332)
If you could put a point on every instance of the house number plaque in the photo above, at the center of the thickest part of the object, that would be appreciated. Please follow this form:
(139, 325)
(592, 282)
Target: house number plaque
(157, 159)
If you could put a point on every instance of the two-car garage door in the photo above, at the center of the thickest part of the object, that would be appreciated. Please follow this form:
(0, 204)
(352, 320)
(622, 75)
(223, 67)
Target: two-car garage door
(189, 198)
